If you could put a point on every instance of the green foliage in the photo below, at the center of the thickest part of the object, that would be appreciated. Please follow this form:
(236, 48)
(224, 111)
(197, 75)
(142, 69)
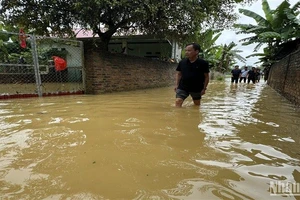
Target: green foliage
(176, 19)
(220, 78)
(209, 50)
(277, 27)
(12, 51)
(228, 56)
(46, 53)
(4, 37)
(269, 35)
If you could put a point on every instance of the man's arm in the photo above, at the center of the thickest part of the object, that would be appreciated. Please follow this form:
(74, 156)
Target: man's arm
(177, 79)
(206, 81)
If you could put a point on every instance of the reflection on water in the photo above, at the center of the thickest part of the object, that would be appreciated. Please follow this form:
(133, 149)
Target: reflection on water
(137, 145)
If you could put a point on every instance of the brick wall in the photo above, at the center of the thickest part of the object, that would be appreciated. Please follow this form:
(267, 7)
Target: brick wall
(284, 77)
(109, 72)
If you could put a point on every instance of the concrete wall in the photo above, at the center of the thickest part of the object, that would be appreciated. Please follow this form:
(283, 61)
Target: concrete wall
(110, 72)
(284, 77)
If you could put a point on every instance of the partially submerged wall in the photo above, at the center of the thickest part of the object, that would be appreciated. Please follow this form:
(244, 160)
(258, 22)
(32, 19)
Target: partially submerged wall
(111, 72)
(284, 77)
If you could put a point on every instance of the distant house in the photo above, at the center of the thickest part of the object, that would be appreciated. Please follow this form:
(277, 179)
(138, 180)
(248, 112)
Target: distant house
(140, 45)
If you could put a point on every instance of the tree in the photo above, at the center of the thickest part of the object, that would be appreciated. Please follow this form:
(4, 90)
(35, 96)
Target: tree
(5, 44)
(207, 41)
(172, 18)
(278, 26)
(228, 56)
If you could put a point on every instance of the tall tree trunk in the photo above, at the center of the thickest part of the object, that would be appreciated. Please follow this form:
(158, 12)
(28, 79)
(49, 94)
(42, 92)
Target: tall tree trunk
(105, 37)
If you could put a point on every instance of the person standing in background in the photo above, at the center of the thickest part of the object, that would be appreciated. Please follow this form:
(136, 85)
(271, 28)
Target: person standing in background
(251, 75)
(235, 74)
(257, 75)
(244, 74)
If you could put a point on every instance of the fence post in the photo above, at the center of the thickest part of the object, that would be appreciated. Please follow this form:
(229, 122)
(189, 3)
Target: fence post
(36, 66)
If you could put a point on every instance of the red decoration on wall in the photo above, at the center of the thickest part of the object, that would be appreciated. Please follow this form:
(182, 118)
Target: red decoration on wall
(22, 38)
(59, 63)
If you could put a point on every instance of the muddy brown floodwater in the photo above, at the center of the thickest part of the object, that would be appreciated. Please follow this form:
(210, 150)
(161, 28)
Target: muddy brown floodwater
(137, 145)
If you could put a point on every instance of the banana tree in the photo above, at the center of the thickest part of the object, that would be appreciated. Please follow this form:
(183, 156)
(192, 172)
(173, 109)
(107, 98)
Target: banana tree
(228, 57)
(276, 27)
(207, 40)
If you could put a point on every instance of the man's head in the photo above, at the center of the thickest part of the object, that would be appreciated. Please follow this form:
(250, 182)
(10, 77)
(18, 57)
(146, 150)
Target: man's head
(246, 67)
(192, 50)
(236, 66)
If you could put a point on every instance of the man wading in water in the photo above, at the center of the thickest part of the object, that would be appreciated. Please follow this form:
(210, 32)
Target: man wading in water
(192, 76)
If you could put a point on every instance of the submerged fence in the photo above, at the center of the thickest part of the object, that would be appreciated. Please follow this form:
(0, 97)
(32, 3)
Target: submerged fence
(28, 67)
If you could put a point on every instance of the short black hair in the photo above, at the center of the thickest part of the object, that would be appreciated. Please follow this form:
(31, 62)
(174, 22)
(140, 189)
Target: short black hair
(195, 46)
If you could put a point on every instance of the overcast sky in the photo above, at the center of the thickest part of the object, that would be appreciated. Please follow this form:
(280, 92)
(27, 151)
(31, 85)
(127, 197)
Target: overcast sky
(229, 36)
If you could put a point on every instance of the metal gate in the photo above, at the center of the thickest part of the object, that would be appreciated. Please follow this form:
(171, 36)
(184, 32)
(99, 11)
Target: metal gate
(28, 68)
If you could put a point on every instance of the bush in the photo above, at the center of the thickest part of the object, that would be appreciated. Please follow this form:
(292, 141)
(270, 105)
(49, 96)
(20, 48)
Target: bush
(220, 78)
(217, 76)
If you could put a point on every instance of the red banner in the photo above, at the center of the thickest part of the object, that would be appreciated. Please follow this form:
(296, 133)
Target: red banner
(22, 38)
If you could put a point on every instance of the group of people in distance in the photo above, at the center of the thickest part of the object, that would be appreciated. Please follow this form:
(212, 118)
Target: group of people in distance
(238, 75)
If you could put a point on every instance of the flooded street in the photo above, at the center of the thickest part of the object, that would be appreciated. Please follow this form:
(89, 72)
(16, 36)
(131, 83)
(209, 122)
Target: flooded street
(137, 145)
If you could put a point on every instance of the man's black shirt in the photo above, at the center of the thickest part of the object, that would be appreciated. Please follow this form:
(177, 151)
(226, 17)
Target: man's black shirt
(236, 72)
(192, 79)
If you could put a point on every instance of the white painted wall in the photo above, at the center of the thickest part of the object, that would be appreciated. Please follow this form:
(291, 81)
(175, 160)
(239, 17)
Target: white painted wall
(74, 56)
